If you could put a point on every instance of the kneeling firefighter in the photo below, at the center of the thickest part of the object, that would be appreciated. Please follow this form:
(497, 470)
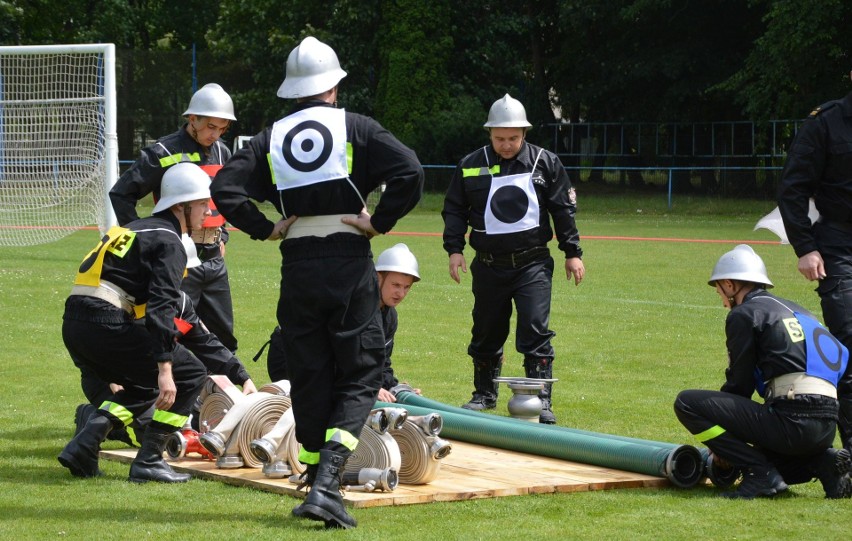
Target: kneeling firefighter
(134, 271)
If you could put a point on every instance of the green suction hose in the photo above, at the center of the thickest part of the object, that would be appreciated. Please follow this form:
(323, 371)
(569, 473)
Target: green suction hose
(683, 465)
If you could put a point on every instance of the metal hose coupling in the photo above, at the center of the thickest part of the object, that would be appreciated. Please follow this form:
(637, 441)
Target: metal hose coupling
(378, 420)
(370, 480)
(438, 448)
(430, 424)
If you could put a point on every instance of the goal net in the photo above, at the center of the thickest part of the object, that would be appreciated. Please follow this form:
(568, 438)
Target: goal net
(58, 142)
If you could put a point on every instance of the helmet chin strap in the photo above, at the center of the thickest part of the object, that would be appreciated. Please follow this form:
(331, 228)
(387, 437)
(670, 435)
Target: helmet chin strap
(732, 298)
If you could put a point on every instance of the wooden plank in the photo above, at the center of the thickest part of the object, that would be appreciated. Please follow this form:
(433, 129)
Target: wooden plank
(470, 471)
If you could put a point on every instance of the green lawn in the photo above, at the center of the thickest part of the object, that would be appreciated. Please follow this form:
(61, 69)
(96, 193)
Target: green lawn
(641, 327)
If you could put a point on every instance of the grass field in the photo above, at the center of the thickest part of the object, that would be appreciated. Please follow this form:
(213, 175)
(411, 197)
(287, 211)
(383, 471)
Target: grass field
(641, 327)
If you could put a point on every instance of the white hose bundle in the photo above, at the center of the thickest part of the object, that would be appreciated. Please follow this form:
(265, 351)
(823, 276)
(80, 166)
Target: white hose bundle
(421, 452)
(259, 418)
(281, 387)
(374, 450)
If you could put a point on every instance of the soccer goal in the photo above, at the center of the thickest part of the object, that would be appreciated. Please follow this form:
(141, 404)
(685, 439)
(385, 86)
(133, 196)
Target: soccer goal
(58, 141)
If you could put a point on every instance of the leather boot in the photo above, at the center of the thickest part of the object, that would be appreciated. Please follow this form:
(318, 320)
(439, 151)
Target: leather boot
(149, 464)
(324, 502)
(758, 483)
(80, 455)
(832, 469)
(485, 389)
(542, 368)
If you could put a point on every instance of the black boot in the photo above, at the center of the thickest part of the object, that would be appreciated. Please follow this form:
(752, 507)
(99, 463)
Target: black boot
(758, 483)
(324, 502)
(542, 368)
(80, 455)
(485, 389)
(832, 469)
(81, 416)
(149, 464)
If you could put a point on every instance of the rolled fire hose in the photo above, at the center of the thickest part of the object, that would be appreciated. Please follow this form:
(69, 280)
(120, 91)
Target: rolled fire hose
(213, 410)
(683, 465)
(267, 447)
(260, 417)
(374, 450)
(421, 449)
(281, 387)
(216, 438)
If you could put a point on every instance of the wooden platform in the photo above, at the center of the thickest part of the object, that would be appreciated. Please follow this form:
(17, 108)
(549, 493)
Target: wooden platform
(470, 471)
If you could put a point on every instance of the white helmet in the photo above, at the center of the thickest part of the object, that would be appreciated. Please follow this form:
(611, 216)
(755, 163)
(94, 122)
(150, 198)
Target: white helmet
(312, 68)
(507, 112)
(742, 264)
(182, 182)
(398, 258)
(211, 100)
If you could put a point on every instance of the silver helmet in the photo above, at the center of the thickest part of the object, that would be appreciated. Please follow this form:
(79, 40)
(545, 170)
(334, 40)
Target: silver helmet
(741, 264)
(312, 68)
(398, 258)
(182, 183)
(507, 112)
(211, 100)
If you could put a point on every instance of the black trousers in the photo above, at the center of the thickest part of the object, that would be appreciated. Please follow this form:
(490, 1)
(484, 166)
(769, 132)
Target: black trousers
(210, 291)
(332, 335)
(109, 346)
(494, 290)
(752, 435)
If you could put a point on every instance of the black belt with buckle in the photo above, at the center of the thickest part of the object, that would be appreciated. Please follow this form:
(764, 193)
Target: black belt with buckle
(513, 260)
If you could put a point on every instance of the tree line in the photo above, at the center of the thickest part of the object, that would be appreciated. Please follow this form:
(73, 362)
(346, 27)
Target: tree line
(429, 71)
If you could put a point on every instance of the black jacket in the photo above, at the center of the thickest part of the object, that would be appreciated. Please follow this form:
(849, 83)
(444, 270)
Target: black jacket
(146, 173)
(151, 271)
(819, 165)
(466, 199)
(759, 344)
(377, 158)
(390, 322)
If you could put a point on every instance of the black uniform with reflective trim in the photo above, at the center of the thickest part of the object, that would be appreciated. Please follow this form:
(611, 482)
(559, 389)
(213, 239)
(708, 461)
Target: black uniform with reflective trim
(207, 284)
(787, 433)
(328, 309)
(819, 165)
(105, 340)
(514, 266)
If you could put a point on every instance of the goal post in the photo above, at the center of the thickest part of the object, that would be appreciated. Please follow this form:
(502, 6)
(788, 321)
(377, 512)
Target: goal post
(58, 141)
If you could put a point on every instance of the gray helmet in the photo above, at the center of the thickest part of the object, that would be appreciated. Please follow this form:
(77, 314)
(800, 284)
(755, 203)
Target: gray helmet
(507, 112)
(398, 258)
(742, 264)
(182, 182)
(312, 68)
(211, 100)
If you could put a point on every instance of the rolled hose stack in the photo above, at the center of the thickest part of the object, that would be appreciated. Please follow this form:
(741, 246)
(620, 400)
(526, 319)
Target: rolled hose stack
(683, 465)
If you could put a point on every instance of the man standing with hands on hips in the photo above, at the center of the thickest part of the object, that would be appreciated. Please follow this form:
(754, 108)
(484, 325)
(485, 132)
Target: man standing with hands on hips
(507, 192)
(317, 166)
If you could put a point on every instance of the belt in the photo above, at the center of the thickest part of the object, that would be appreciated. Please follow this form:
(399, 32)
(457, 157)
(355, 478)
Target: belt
(797, 383)
(513, 260)
(320, 226)
(207, 235)
(113, 294)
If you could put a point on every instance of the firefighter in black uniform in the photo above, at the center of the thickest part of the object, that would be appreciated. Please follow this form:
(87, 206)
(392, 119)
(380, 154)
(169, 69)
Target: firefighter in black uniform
(317, 166)
(397, 270)
(506, 192)
(819, 166)
(195, 344)
(209, 115)
(136, 271)
(777, 348)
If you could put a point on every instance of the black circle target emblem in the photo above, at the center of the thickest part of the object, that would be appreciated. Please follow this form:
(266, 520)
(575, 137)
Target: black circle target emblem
(509, 204)
(307, 146)
(826, 345)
